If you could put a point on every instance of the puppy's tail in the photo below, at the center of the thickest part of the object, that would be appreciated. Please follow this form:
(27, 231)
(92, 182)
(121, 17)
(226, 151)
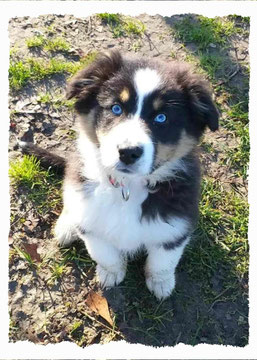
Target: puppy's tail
(47, 159)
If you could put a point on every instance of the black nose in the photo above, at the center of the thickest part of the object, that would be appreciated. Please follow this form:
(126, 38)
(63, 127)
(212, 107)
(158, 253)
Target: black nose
(130, 155)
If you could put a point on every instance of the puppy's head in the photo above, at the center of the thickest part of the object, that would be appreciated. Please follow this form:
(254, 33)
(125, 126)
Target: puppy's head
(141, 113)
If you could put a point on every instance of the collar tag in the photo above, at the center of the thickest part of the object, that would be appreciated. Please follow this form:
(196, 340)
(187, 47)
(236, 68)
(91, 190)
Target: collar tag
(124, 189)
(125, 192)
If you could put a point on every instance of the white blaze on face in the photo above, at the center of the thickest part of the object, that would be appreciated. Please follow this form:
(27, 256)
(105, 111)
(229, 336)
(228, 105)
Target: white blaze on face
(132, 132)
(146, 81)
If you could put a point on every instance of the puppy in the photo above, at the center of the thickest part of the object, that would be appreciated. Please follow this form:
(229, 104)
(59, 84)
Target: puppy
(133, 180)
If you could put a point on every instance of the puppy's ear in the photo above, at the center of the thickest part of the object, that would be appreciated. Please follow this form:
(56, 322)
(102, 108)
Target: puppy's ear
(205, 112)
(88, 81)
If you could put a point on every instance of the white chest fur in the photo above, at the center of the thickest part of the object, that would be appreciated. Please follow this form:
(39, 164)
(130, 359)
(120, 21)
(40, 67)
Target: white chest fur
(103, 212)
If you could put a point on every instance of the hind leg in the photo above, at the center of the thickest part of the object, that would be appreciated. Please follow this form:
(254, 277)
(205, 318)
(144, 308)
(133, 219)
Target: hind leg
(160, 268)
(65, 229)
(111, 263)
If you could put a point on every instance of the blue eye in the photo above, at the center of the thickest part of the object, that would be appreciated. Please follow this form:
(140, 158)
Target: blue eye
(116, 109)
(160, 118)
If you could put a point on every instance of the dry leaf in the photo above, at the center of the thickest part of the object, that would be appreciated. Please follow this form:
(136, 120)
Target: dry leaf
(99, 304)
(32, 251)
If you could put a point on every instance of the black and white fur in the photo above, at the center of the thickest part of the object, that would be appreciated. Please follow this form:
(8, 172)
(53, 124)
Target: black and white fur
(162, 180)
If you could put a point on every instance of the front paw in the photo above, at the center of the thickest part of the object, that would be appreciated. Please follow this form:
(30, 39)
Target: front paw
(161, 284)
(109, 277)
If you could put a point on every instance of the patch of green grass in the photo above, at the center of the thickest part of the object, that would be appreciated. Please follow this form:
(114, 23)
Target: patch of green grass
(55, 101)
(133, 27)
(20, 72)
(78, 255)
(41, 69)
(110, 19)
(47, 198)
(44, 98)
(236, 115)
(238, 157)
(205, 63)
(75, 326)
(13, 51)
(26, 172)
(59, 102)
(37, 41)
(210, 63)
(121, 25)
(42, 187)
(117, 31)
(115, 23)
(136, 46)
(203, 31)
(220, 239)
(76, 330)
(57, 271)
(207, 147)
(48, 44)
(236, 121)
(57, 44)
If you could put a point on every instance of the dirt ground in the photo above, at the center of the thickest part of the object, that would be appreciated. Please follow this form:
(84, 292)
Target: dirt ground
(49, 307)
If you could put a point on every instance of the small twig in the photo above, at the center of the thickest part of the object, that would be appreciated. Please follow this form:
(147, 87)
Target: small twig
(99, 322)
(150, 42)
(45, 284)
(230, 76)
(30, 112)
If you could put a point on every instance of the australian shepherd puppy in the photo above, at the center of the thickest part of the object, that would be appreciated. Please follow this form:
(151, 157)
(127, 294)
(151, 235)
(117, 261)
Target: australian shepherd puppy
(133, 180)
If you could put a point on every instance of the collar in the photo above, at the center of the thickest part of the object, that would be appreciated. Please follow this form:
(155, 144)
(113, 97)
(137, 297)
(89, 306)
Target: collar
(125, 188)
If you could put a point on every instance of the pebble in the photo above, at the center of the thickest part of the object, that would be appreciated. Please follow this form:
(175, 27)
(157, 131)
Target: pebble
(37, 107)
(38, 32)
(12, 286)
